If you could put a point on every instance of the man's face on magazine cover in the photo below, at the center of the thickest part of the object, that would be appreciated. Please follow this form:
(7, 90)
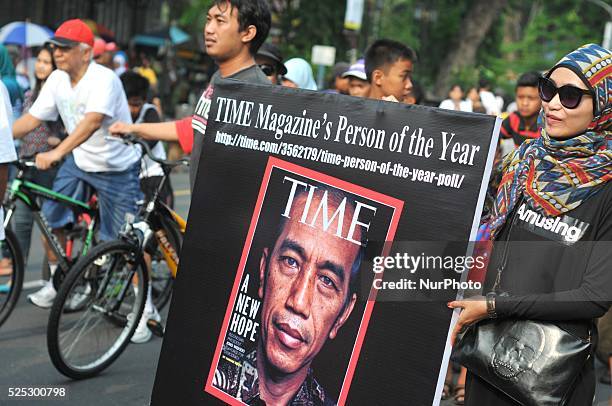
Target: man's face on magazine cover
(305, 286)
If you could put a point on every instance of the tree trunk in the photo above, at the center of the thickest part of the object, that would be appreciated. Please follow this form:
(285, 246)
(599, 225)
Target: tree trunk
(476, 24)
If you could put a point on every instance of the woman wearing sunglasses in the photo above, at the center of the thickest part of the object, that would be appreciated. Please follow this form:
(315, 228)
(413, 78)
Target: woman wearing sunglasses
(555, 204)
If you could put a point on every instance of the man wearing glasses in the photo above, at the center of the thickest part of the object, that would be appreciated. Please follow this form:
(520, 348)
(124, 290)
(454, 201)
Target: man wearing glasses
(88, 97)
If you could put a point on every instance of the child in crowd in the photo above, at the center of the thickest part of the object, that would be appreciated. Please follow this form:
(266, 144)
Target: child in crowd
(136, 88)
(523, 123)
(455, 100)
(388, 66)
(358, 84)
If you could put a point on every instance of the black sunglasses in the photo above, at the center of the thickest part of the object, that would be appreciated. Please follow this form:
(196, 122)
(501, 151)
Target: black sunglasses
(569, 96)
(63, 48)
(268, 70)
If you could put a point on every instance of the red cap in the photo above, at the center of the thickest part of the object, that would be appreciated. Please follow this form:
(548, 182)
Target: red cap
(72, 32)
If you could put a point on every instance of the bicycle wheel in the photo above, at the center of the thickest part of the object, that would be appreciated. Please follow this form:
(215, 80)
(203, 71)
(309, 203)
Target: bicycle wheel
(12, 282)
(112, 286)
(161, 275)
(75, 243)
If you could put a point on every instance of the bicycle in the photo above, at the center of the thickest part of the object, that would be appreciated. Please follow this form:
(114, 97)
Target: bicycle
(83, 344)
(84, 229)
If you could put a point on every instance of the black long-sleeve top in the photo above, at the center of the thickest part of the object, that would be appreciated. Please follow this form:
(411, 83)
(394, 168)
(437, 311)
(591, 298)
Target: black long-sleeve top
(558, 269)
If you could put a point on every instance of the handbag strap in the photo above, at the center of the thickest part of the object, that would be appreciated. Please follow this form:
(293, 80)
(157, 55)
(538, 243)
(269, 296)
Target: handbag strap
(504, 260)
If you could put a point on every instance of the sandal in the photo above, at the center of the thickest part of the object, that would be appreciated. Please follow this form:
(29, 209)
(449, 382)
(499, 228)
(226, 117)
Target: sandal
(448, 389)
(459, 394)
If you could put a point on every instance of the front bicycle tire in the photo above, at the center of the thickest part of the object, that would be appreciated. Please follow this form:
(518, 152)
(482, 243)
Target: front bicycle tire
(10, 285)
(111, 283)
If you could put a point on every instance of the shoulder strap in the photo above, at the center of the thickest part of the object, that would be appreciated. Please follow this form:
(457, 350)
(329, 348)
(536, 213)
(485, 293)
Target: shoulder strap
(504, 260)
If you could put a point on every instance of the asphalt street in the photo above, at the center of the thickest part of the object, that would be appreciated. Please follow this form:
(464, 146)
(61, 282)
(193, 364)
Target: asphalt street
(24, 361)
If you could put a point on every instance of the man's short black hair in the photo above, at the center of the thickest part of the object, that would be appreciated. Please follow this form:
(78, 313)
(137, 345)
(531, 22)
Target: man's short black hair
(251, 12)
(134, 84)
(385, 52)
(529, 79)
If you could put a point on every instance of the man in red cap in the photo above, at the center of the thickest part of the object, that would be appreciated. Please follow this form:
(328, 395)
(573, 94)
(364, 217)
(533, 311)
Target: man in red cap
(103, 52)
(89, 98)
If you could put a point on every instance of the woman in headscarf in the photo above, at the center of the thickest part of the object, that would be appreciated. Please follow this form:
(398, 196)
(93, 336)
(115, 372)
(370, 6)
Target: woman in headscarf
(120, 62)
(554, 196)
(32, 143)
(299, 74)
(7, 75)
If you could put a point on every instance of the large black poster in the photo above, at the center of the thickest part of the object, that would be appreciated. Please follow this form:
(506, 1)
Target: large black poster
(296, 194)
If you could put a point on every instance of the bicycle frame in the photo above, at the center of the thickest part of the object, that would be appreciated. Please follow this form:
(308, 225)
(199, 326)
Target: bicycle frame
(153, 213)
(27, 192)
(170, 254)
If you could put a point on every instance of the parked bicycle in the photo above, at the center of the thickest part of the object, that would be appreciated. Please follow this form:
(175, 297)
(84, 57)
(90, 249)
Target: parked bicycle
(79, 238)
(84, 343)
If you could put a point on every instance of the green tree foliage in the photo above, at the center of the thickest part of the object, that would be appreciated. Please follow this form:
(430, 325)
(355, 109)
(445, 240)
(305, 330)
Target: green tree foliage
(553, 29)
(297, 25)
(303, 24)
(527, 35)
(193, 17)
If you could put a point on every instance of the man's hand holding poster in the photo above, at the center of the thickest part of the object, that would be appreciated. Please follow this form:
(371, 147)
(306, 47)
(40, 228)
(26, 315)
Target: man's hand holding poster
(298, 196)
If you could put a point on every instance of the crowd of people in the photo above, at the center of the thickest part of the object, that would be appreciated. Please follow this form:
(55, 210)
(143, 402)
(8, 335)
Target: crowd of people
(556, 137)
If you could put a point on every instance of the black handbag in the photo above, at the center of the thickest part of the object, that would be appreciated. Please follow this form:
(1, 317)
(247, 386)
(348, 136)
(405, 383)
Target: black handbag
(535, 363)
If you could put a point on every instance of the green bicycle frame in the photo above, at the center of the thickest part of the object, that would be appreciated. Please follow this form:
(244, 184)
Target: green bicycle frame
(27, 192)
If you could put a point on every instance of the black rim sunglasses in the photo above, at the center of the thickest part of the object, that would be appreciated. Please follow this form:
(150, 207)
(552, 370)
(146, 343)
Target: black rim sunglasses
(569, 96)
(268, 70)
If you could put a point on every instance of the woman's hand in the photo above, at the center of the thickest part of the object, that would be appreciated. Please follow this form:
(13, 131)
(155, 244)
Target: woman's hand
(473, 310)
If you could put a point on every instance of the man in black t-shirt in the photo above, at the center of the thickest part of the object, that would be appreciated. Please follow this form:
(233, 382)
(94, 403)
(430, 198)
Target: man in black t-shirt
(233, 33)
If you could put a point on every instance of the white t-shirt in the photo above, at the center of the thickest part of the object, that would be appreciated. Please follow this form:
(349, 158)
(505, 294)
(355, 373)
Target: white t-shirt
(489, 102)
(98, 91)
(464, 105)
(7, 148)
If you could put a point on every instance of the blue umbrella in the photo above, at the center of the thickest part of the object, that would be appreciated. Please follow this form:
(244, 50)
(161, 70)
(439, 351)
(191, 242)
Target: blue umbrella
(24, 34)
(158, 38)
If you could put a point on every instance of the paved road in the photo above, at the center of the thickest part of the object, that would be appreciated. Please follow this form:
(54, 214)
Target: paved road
(24, 360)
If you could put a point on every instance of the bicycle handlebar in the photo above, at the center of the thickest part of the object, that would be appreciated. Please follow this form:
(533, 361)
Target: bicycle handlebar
(133, 139)
(27, 164)
(29, 161)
